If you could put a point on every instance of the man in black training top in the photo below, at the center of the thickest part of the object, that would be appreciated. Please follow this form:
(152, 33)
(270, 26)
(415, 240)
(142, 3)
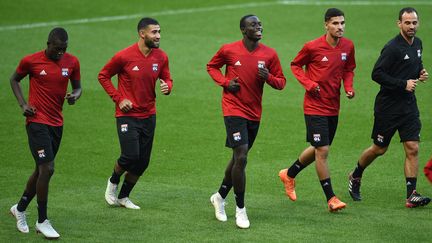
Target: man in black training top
(398, 70)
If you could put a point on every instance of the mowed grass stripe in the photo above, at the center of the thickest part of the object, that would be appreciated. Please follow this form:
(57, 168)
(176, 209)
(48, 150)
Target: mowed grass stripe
(210, 9)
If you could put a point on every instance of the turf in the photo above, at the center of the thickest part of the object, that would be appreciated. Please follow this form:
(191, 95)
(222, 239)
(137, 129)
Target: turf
(189, 156)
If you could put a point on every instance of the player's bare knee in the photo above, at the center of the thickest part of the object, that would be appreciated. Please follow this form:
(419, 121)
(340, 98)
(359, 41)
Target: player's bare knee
(411, 150)
(321, 152)
(241, 160)
(50, 170)
(378, 151)
(46, 169)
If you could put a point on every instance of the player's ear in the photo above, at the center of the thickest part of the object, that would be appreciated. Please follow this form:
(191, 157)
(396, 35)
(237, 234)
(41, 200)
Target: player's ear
(141, 33)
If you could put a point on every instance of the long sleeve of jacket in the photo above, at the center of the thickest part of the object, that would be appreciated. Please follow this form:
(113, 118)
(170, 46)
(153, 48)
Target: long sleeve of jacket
(381, 70)
(348, 73)
(214, 66)
(297, 64)
(165, 75)
(112, 68)
(276, 78)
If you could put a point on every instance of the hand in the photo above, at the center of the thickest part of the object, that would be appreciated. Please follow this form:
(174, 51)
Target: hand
(233, 85)
(350, 94)
(424, 75)
(411, 85)
(125, 105)
(263, 73)
(315, 92)
(164, 87)
(71, 98)
(28, 110)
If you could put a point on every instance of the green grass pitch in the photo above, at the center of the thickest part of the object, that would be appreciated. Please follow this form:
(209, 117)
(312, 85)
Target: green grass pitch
(189, 156)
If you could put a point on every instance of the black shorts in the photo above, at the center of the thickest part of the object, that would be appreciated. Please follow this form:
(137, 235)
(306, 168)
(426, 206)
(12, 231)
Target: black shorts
(44, 141)
(240, 131)
(385, 126)
(320, 130)
(136, 141)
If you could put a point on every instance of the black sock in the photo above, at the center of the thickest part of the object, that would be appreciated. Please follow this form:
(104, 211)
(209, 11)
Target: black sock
(239, 197)
(224, 189)
(42, 211)
(115, 178)
(411, 183)
(126, 189)
(295, 168)
(358, 171)
(24, 201)
(327, 188)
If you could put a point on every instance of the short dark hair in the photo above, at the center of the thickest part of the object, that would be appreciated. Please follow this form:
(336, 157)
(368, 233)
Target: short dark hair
(407, 10)
(242, 20)
(144, 22)
(58, 33)
(332, 12)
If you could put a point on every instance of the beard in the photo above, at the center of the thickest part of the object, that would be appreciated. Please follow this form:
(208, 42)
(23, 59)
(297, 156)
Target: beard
(410, 33)
(151, 44)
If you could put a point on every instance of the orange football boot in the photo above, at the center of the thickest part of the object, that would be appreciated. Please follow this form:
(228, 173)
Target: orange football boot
(289, 184)
(334, 204)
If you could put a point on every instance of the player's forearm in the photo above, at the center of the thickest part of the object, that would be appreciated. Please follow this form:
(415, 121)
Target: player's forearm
(276, 82)
(389, 82)
(348, 81)
(16, 89)
(77, 93)
(218, 77)
(107, 85)
(300, 75)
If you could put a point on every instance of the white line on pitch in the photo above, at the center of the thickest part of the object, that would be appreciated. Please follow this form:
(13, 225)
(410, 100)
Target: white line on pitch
(205, 9)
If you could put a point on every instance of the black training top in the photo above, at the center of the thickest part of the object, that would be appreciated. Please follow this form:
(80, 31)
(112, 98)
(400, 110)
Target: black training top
(397, 63)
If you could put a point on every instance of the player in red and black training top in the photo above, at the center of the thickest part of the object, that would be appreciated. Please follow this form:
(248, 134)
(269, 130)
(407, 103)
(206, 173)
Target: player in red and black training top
(328, 60)
(249, 65)
(428, 170)
(137, 67)
(398, 70)
(49, 72)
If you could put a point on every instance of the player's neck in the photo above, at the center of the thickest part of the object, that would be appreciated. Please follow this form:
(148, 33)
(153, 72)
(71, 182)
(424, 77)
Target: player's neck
(250, 44)
(332, 41)
(145, 50)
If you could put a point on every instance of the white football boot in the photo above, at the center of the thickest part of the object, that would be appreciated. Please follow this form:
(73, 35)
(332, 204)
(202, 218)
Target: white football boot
(46, 229)
(20, 218)
(127, 203)
(110, 193)
(242, 220)
(219, 206)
